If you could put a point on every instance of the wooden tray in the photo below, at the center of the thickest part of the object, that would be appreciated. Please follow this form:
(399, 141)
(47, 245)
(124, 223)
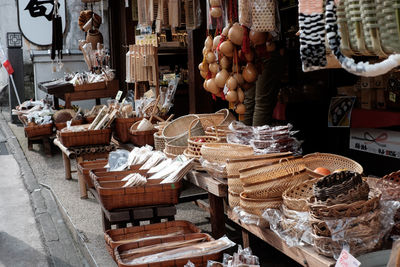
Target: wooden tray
(96, 86)
(116, 237)
(38, 130)
(85, 138)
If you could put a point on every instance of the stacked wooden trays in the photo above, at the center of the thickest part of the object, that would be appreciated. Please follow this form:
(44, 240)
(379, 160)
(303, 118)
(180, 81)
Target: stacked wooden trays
(141, 138)
(38, 130)
(113, 195)
(85, 167)
(116, 237)
(197, 261)
(85, 138)
(92, 171)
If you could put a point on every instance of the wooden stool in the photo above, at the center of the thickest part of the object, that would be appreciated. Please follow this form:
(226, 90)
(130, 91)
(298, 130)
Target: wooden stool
(43, 139)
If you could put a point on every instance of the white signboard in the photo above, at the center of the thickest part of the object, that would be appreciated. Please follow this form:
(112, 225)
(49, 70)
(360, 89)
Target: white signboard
(35, 19)
(376, 141)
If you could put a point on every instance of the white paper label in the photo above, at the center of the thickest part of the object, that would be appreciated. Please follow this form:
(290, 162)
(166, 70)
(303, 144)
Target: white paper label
(347, 260)
(118, 96)
(226, 89)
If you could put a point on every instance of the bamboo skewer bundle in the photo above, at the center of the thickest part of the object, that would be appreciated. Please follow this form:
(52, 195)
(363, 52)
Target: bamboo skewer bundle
(143, 64)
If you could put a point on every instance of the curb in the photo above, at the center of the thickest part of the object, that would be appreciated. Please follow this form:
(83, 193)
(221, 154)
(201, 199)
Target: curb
(41, 211)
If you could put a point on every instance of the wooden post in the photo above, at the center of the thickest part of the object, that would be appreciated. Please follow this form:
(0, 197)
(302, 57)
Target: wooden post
(67, 166)
(82, 185)
(217, 215)
(245, 238)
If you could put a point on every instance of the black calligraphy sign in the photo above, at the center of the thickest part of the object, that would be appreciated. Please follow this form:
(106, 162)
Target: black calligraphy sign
(38, 8)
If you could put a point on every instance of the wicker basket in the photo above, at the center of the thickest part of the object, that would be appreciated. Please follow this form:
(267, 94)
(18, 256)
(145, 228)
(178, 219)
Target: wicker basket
(228, 117)
(235, 185)
(274, 188)
(173, 148)
(159, 142)
(346, 210)
(141, 138)
(177, 129)
(211, 119)
(85, 167)
(122, 126)
(116, 237)
(233, 199)
(244, 13)
(194, 146)
(234, 165)
(220, 152)
(298, 197)
(263, 15)
(113, 196)
(85, 138)
(261, 173)
(221, 130)
(332, 162)
(200, 261)
(257, 206)
(389, 185)
(38, 130)
(197, 165)
(102, 175)
(62, 125)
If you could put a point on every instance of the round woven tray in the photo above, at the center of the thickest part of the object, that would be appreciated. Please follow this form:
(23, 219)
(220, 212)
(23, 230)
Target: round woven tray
(262, 173)
(258, 206)
(332, 162)
(220, 152)
(233, 199)
(357, 193)
(297, 197)
(354, 209)
(235, 185)
(274, 188)
(177, 129)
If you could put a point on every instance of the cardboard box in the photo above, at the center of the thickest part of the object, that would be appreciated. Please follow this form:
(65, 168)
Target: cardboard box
(368, 98)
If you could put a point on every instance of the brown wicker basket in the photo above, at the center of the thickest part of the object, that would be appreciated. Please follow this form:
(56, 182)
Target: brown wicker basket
(159, 142)
(220, 152)
(116, 237)
(228, 116)
(113, 196)
(194, 145)
(389, 185)
(346, 210)
(234, 165)
(177, 129)
(332, 162)
(62, 125)
(173, 148)
(141, 138)
(103, 175)
(211, 119)
(122, 126)
(298, 196)
(221, 130)
(85, 138)
(274, 188)
(233, 199)
(258, 206)
(86, 166)
(262, 173)
(200, 261)
(38, 130)
(234, 184)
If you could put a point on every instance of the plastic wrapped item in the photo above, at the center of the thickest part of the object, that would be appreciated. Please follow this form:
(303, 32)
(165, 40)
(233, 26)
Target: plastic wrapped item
(195, 250)
(215, 169)
(243, 257)
(248, 218)
(294, 229)
(216, 16)
(189, 264)
(118, 160)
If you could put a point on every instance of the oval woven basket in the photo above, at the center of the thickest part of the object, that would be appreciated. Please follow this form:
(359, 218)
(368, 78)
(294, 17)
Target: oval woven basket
(261, 173)
(233, 199)
(258, 206)
(235, 185)
(228, 116)
(274, 188)
(354, 209)
(220, 152)
(298, 196)
(332, 162)
(194, 145)
(173, 148)
(178, 129)
(211, 119)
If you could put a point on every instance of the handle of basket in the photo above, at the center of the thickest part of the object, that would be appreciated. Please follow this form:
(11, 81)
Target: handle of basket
(397, 10)
(199, 119)
(283, 159)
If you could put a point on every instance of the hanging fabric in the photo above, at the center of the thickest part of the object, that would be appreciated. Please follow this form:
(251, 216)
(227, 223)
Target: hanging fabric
(57, 37)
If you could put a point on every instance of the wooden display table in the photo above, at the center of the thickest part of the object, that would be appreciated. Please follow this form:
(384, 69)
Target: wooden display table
(69, 93)
(81, 154)
(217, 191)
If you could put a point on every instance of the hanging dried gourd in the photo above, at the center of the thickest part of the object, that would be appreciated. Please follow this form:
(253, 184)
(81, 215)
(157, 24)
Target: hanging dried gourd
(221, 78)
(216, 9)
(236, 33)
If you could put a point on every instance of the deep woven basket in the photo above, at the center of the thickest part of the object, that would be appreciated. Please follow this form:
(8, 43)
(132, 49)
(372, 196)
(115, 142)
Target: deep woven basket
(173, 148)
(274, 188)
(258, 206)
(332, 162)
(38, 130)
(390, 186)
(298, 197)
(346, 210)
(263, 15)
(211, 119)
(122, 126)
(235, 185)
(159, 142)
(62, 125)
(233, 199)
(177, 129)
(85, 138)
(194, 146)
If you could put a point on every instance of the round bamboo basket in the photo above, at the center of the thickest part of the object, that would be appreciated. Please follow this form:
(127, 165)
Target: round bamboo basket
(220, 152)
(173, 148)
(258, 206)
(235, 185)
(159, 142)
(211, 119)
(228, 116)
(332, 162)
(297, 197)
(233, 199)
(194, 146)
(197, 165)
(178, 129)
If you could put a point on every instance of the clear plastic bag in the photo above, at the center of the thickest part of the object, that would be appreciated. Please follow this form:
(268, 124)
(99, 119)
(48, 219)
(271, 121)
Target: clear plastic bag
(216, 170)
(249, 218)
(294, 230)
(118, 160)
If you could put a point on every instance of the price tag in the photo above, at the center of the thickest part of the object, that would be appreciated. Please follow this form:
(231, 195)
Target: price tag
(118, 96)
(226, 89)
(347, 260)
(392, 97)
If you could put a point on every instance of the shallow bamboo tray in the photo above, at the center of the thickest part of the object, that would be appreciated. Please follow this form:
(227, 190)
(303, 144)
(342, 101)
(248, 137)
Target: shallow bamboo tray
(332, 162)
